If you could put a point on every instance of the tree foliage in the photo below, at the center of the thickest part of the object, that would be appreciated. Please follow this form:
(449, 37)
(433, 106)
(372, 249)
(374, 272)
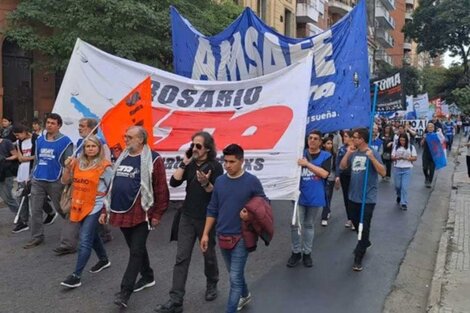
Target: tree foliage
(462, 98)
(441, 25)
(134, 29)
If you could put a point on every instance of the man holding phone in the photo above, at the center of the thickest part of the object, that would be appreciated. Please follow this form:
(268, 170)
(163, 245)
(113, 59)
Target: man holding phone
(199, 169)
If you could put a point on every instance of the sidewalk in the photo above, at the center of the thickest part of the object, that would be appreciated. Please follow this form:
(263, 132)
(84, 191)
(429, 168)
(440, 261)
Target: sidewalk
(451, 281)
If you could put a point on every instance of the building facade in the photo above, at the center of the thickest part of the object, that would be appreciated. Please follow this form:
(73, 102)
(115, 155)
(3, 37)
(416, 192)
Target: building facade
(24, 93)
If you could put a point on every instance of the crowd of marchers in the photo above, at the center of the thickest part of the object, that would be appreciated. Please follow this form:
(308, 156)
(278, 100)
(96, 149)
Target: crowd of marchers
(91, 189)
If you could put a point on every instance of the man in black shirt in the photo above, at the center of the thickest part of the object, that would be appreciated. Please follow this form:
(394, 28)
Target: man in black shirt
(199, 169)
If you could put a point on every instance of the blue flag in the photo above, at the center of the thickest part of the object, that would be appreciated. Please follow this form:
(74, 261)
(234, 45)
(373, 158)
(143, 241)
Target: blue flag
(248, 48)
(437, 152)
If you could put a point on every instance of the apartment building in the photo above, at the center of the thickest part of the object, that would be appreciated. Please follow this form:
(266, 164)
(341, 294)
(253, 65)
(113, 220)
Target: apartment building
(279, 14)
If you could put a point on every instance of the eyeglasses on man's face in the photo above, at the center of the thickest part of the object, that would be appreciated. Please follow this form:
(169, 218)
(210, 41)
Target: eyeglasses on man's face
(196, 145)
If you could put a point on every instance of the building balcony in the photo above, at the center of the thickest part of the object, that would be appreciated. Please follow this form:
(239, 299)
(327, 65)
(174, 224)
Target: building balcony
(407, 46)
(410, 3)
(409, 16)
(306, 13)
(389, 4)
(382, 56)
(385, 39)
(384, 19)
(340, 7)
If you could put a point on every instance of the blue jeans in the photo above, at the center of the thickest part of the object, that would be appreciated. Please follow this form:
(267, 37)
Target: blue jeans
(235, 261)
(402, 178)
(303, 242)
(89, 238)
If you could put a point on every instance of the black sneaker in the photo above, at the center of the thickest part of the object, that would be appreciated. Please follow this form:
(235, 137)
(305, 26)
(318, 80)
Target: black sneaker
(294, 259)
(20, 227)
(357, 266)
(169, 307)
(122, 298)
(73, 281)
(307, 260)
(211, 292)
(404, 207)
(143, 283)
(101, 265)
(50, 218)
(398, 200)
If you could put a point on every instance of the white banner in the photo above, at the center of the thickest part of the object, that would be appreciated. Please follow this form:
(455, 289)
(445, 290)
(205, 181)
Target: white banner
(265, 115)
(421, 106)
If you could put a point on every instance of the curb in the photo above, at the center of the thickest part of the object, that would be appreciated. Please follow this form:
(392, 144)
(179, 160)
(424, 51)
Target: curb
(438, 278)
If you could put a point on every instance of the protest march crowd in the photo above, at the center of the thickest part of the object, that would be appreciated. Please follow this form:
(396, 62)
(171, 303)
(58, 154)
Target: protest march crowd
(91, 189)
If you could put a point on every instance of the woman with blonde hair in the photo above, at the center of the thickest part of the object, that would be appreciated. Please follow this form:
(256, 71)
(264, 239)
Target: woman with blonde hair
(90, 175)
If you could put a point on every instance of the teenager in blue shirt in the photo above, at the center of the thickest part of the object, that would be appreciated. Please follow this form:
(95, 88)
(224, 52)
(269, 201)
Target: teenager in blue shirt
(226, 211)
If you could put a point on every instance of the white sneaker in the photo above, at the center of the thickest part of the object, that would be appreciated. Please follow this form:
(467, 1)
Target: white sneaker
(243, 301)
(324, 223)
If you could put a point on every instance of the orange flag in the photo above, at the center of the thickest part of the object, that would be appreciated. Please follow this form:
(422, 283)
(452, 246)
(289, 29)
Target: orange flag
(134, 109)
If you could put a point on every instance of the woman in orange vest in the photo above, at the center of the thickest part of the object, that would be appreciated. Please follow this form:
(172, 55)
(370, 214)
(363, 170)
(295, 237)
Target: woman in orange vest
(90, 175)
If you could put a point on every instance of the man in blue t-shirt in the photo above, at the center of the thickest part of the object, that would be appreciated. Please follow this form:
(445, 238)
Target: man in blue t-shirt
(226, 210)
(358, 157)
(316, 166)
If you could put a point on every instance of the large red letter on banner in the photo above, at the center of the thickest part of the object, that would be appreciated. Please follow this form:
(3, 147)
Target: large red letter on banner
(254, 130)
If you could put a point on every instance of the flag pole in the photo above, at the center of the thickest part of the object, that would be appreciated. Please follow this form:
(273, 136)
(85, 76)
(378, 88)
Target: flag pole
(364, 187)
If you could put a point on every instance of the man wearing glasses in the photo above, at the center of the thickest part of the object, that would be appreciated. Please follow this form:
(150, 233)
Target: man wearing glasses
(199, 169)
(356, 158)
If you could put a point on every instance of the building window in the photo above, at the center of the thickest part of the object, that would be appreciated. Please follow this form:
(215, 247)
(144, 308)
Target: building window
(287, 23)
(262, 10)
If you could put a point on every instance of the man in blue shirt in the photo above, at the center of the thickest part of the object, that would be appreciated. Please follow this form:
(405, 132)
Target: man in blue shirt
(358, 157)
(316, 166)
(52, 150)
(226, 210)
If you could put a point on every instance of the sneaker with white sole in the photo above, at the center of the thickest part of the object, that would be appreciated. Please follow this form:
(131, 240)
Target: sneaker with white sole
(324, 223)
(72, 281)
(50, 218)
(101, 265)
(243, 301)
(20, 227)
(143, 283)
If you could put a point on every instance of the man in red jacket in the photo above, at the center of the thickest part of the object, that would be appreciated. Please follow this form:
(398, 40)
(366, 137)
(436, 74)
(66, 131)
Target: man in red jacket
(137, 199)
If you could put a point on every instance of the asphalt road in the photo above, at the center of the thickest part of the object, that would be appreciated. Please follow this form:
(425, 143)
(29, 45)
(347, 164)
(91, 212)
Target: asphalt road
(30, 279)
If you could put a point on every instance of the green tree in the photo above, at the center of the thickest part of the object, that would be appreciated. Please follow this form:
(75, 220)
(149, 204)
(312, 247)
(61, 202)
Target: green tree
(134, 29)
(462, 98)
(441, 25)
(440, 82)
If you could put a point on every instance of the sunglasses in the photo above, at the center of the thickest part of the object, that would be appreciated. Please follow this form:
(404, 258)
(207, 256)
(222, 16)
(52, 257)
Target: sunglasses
(197, 145)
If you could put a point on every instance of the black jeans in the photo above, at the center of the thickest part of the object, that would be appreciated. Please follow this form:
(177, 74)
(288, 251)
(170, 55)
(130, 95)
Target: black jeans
(345, 179)
(428, 169)
(468, 165)
(355, 209)
(136, 239)
(189, 230)
(329, 187)
(388, 167)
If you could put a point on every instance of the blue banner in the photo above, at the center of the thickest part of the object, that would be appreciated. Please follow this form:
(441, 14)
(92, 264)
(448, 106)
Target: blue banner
(437, 152)
(248, 48)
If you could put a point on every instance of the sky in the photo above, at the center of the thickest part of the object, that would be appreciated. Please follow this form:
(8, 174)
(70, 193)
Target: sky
(448, 60)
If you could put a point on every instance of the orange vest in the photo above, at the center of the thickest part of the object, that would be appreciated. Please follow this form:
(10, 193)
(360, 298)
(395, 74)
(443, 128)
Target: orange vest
(85, 190)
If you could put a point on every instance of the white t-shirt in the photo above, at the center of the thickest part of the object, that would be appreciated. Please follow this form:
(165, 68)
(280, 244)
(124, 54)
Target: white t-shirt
(23, 169)
(404, 153)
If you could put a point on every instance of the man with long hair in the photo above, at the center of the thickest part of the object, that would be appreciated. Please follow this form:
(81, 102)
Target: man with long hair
(199, 169)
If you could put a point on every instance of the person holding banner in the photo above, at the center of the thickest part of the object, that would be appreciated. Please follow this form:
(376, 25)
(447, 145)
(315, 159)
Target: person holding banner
(199, 169)
(358, 157)
(316, 166)
(225, 211)
(403, 156)
(429, 166)
(52, 149)
(137, 198)
(90, 175)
